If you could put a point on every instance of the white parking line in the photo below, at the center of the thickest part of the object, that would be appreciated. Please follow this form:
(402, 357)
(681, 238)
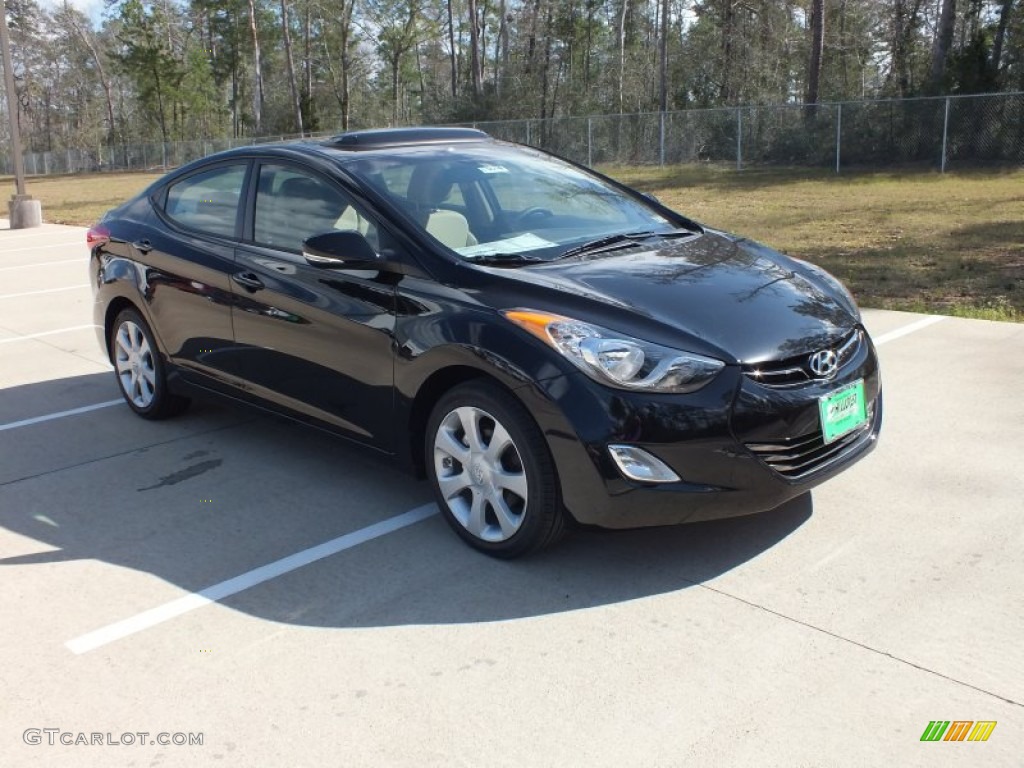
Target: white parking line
(41, 247)
(48, 290)
(47, 333)
(58, 415)
(82, 261)
(917, 325)
(212, 594)
(44, 233)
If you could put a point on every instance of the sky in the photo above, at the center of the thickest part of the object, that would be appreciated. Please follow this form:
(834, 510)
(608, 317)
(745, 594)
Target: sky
(93, 9)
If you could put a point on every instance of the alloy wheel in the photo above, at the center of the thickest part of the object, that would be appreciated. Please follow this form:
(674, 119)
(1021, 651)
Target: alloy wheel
(480, 474)
(133, 359)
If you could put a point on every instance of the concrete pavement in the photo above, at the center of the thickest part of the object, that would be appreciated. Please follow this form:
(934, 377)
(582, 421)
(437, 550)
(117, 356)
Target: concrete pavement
(829, 632)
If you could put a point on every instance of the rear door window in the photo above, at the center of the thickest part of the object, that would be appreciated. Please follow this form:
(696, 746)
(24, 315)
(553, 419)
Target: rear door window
(208, 201)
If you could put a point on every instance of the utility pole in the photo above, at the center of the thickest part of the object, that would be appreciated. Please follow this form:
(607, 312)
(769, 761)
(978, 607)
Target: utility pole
(24, 211)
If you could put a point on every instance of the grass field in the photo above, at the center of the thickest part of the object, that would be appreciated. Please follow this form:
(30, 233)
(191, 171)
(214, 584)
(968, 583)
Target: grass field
(82, 199)
(920, 241)
(951, 244)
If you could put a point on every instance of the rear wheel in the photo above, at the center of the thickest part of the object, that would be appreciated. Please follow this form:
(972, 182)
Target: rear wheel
(492, 473)
(139, 369)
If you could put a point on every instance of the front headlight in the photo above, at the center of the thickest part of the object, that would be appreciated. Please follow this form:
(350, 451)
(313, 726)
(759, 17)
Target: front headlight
(615, 359)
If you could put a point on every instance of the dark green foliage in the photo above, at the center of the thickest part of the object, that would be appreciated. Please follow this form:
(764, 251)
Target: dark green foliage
(186, 70)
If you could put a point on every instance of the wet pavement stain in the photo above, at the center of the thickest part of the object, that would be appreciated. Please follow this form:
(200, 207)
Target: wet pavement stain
(185, 474)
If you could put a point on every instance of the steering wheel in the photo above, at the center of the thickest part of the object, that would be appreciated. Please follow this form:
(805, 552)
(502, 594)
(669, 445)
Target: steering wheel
(536, 213)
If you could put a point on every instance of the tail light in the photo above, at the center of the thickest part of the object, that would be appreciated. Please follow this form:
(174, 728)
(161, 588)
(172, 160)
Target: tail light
(96, 236)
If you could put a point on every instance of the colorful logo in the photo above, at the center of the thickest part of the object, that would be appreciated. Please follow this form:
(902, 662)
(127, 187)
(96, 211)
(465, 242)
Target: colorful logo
(958, 730)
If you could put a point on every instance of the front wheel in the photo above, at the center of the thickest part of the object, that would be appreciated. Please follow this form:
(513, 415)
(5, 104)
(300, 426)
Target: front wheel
(492, 472)
(139, 369)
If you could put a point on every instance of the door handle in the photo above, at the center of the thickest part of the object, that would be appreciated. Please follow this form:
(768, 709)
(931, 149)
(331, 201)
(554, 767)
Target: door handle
(142, 246)
(248, 280)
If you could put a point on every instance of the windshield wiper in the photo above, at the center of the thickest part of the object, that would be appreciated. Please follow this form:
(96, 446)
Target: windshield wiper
(503, 259)
(621, 240)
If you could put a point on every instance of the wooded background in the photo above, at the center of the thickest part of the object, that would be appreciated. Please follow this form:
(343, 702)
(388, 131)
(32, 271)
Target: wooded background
(192, 70)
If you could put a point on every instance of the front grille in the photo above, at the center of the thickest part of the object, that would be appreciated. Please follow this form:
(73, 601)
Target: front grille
(793, 371)
(798, 457)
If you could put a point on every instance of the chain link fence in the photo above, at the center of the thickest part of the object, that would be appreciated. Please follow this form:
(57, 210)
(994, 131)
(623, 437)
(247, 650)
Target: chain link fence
(948, 132)
(136, 157)
(944, 132)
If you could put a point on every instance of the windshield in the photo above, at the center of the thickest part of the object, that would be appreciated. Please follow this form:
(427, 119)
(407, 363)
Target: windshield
(490, 200)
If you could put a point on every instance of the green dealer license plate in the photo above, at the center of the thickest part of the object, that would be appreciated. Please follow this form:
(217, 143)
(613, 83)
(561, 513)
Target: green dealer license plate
(842, 411)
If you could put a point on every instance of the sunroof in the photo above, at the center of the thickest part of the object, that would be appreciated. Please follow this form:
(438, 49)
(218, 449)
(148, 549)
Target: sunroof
(393, 137)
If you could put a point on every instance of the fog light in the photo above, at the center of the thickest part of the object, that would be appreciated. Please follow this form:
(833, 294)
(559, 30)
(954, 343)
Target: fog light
(637, 464)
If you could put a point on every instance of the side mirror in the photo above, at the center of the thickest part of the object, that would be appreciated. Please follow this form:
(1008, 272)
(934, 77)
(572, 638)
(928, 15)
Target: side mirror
(652, 197)
(345, 249)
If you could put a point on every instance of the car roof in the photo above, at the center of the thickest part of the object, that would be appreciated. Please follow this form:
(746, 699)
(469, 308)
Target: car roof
(351, 144)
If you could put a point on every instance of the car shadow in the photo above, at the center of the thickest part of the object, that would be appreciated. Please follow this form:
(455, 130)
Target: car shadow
(422, 574)
(430, 577)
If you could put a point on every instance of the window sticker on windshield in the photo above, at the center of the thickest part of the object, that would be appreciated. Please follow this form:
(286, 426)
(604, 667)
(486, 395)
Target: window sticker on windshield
(527, 242)
(493, 169)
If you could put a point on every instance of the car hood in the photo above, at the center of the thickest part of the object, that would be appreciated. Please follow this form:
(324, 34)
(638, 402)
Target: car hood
(749, 302)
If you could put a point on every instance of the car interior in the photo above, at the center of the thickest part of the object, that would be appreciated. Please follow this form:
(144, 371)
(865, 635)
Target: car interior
(291, 206)
(430, 186)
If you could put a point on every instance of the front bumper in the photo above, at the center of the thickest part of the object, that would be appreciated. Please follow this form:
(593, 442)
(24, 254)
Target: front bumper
(704, 437)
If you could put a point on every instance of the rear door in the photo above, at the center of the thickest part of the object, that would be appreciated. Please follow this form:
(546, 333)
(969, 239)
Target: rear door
(315, 341)
(190, 261)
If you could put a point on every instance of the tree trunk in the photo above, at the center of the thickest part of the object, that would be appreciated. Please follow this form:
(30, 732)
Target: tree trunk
(474, 50)
(622, 55)
(234, 81)
(234, 96)
(842, 46)
(588, 50)
(940, 50)
(501, 55)
(904, 29)
(290, 64)
(997, 45)
(104, 82)
(394, 89)
(454, 55)
(340, 91)
(546, 72)
(257, 96)
(160, 103)
(307, 61)
(482, 15)
(422, 77)
(725, 91)
(346, 62)
(817, 49)
(663, 59)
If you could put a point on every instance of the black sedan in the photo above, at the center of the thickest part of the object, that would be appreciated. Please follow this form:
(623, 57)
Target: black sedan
(544, 344)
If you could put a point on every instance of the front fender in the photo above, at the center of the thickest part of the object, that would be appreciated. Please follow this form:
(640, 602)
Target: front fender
(434, 354)
(474, 338)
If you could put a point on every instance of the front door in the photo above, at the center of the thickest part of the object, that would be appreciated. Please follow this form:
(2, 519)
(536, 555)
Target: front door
(315, 341)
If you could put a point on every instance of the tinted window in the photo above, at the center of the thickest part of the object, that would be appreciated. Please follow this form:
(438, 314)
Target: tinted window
(293, 204)
(208, 201)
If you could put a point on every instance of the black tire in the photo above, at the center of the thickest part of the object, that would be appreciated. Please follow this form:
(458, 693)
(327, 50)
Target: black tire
(139, 369)
(477, 480)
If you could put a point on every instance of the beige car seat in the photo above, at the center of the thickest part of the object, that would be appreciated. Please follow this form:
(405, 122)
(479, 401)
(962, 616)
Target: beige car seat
(428, 188)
